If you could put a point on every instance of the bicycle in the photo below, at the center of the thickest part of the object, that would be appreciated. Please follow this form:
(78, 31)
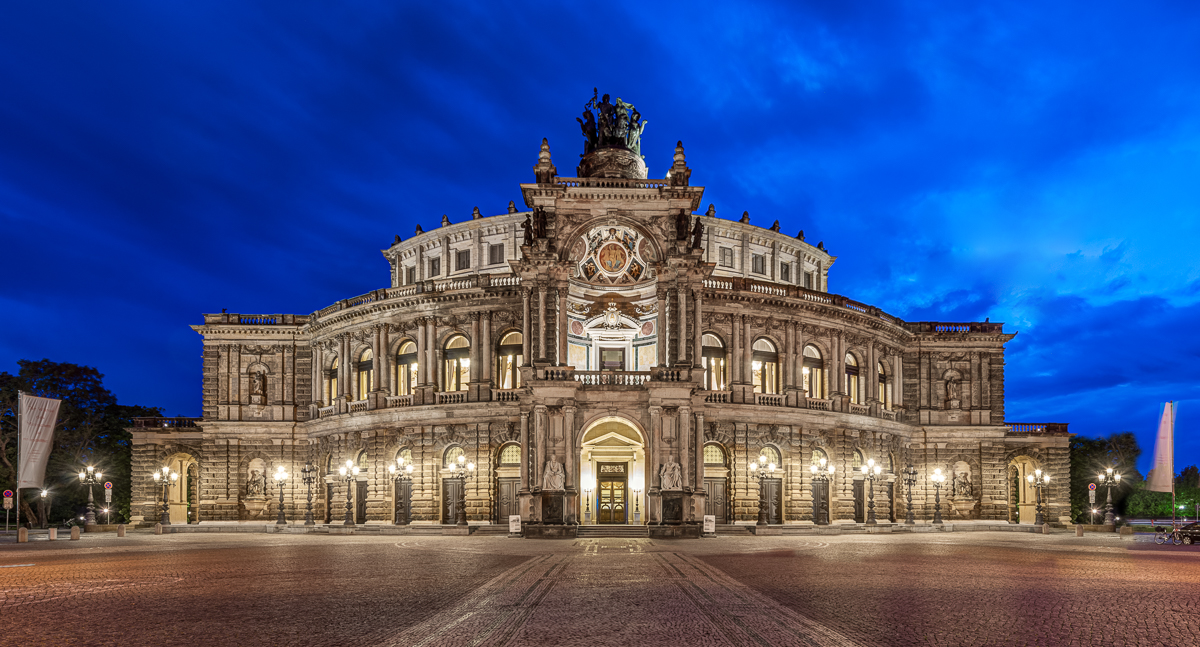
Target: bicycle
(1162, 536)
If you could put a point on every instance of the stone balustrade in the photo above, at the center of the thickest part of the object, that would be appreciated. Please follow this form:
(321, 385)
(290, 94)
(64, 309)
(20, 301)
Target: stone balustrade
(612, 378)
(165, 423)
(1036, 428)
(452, 397)
(398, 401)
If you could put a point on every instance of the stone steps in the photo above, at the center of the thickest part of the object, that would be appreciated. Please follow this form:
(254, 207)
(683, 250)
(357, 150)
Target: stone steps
(589, 532)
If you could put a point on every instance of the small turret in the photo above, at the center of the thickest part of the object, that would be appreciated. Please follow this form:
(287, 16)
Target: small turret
(679, 173)
(475, 215)
(544, 170)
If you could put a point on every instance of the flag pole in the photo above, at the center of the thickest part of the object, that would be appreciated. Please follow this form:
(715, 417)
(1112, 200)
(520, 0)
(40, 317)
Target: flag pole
(18, 479)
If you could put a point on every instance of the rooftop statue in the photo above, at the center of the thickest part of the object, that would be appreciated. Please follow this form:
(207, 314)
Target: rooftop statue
(612, 125)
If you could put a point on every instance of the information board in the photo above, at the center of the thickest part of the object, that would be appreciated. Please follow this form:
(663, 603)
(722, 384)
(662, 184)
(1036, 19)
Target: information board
(710, 524)
(514, 524)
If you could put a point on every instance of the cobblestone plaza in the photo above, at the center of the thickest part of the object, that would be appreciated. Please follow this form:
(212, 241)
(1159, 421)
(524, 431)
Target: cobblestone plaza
(980, 588)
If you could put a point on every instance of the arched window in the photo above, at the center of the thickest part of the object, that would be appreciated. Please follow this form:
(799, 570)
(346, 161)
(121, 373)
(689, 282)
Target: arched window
(329, 464)
(406, 369)
(858, 460)
(891, 463)
(819, 455)
(814, 373)
(331, 382)
(361, 460)
(509, 360)
(404, 457)
(366, 374)
(764, 363)
(457, 358)
(714, 455)
(510, 454)
(714, 363)
(772, 455)
(851, 383)
(885, 389)
(451, 456)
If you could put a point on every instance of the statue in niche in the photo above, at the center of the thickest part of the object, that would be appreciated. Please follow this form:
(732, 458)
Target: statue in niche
(953, 392)
(672, 476)
(258, 384)
(962, 484)
(539, 222)
(257, 484)
(528, 228)
(555, 478)
(698, 234)
(681, 225)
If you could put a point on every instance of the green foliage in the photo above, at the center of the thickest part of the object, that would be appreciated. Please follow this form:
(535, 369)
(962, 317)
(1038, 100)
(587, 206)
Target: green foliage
(1157, 505)
(91, 430)
(1090, 457)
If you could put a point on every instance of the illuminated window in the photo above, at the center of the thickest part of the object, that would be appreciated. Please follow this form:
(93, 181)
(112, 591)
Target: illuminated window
(851, 383)
(818, 455)
(885, 389)
(857, 461)
(508, 361)
(406, 369)
(456, 371)
(510, 455)
(404, 457)
(366, 374)
(331, 382)
(451, 456)
(714, 455)
(814, 373)
(715, 364)
(772, 455)
(764, 366)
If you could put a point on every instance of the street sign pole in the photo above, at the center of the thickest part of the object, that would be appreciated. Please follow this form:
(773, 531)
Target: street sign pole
(108, 502)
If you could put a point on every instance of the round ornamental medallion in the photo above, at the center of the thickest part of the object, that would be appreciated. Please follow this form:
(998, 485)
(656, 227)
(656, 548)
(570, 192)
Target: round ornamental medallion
(613, 258)
(647, 328)
(576, 328)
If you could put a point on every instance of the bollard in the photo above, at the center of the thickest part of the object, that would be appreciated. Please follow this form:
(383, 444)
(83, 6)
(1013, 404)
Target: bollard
(53, 534)
(1078, 531)
(120, 530)
(1045, 529)
(74, 533)
(158, 528)
(22, 535)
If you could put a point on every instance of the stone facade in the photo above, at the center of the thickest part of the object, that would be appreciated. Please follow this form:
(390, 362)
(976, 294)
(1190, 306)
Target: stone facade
(650, 351)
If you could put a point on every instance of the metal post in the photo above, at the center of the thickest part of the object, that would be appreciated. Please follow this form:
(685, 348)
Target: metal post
(90, 519)
(910, 477)
(461, 517)
(871, 500)
(282, 521)
(1108, 509)
(309, 475)
(349, 519)
(166, 513)
(937, 502)
(1039, 519)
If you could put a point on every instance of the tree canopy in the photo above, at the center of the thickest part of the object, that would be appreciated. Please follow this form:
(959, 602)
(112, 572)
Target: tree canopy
(1090, 457)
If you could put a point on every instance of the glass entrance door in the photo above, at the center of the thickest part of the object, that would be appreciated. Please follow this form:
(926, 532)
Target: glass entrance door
(612, 502)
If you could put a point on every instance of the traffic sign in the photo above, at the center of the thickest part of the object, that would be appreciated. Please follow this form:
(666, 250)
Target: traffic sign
(108, 496)
(8, 503)
(1092, 487)
(108, 485)
(8, 494)
(1092, 496)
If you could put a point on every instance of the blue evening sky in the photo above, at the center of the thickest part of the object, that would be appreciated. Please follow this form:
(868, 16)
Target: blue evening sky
(1035, 163)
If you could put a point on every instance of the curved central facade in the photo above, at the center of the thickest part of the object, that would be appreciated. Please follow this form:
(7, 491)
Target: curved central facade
(609, 355)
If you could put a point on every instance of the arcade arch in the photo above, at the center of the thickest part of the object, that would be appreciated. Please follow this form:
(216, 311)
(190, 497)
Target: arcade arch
(612, 472)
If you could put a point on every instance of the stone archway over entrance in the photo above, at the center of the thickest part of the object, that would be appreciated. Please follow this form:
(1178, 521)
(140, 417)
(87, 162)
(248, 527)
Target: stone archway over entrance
(183, 496)
(1022, 499)
(612, 459)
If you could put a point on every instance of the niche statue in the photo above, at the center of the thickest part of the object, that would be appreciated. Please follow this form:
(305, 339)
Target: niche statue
(556, 478)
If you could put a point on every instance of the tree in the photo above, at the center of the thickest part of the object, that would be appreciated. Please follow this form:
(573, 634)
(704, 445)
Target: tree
(90, 430)
(1090, 457)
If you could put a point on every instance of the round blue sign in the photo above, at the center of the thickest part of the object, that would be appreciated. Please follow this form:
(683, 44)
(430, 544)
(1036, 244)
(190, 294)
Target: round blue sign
(8, 493)
(1092, 486)
(108, 485)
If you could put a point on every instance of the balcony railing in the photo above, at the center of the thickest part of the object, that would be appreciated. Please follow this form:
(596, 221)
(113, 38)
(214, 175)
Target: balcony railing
(818, 404)
(325, 412)
(398, 401)
(612, 378)
(769, 399)
(452, 397)
(717, 397)
(165, 423)
(255, 319)
(506, 395)
(1036, 428)
(860, 409)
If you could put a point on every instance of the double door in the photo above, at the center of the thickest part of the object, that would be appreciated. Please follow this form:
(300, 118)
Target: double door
(403, 500)
(612, 499)
(772, 496)
(717, 501)
(508, 502)
(452, 494)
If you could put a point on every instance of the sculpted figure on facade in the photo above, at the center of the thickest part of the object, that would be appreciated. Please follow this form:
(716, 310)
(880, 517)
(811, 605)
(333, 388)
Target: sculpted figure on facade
(555, 478)
(672, 476)
(257, 484)
(953, 392)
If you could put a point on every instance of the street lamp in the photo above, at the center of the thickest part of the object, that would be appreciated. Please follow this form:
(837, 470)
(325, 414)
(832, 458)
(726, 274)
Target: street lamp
(761, 470)
(588, 487)
(1039, 481)
(636, 484)
(42, 509)
(822, 472)
(400, 473)
(90, 477)
(281, 476)
(871, 471)
(167, 477)
(1108, 479)
(349, 475)
(309, 476)
(461, 470)
(107, 515)
(938, 479)
(910, 479)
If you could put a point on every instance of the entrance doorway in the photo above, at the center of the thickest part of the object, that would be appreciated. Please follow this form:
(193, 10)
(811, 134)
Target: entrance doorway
(613, 488)
(716, 504)
(452, 491)
(403, 501)
(820, 490)
(860, 506)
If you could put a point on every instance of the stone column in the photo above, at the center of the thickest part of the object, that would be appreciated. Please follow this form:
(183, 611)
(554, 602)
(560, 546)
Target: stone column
(539, 435)
(377, 359)
(344, 387)
(652, 448)
(526, 323)
(684, 420)
(976, 392)
(698, 330)
(524, 450)
(735, 348)
(560, 330)
(420, 335)
(541, 288)
(747, 354)
(789, 353)
(486, 349)
(798, 368)
(572, 453)
(431, 352)
(985, 369)
(660, 327)
(318, 388)
(681, 347)
(698, 464)
(386, 361)
(898, 380)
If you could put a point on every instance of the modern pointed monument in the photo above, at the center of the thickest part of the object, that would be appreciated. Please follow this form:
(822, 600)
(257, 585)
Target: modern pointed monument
(1162, 477)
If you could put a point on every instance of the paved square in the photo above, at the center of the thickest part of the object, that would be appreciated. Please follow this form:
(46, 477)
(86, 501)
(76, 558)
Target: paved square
(960, 589)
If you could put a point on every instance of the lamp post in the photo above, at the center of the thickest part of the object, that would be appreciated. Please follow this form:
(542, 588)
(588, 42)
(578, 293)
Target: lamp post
(167, 477)
(44, 520)
(938, 479)
(636, 484)
(761, 470)
(871, 471)
(350, 475)
(1108, 479)
(822, 472)
(400, 472)
(461, 471)
(588, 487)
(281, 476)
(90, 477)
(910, 479)
(1039, 481)
(309, 476)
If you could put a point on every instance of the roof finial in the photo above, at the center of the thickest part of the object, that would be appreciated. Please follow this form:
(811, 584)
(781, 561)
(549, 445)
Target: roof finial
(544, 170)
(679, 173)
(475, 215)
(745, 217)
(445, 220)
(512, 206)
(712, 211)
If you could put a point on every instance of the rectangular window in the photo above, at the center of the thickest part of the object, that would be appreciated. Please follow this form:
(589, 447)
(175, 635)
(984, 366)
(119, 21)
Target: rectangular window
(758, 264)
(785, 272)
(435, 267)
(495, 254)
(462, 260)
(410, 275)
(726, 257)
(808, 280)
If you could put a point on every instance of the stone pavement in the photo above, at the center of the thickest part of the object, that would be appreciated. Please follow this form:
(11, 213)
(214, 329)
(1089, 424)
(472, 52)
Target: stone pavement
(960, 589)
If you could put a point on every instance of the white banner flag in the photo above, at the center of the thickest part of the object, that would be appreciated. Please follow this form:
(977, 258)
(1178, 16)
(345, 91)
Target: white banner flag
(1162, 477)
(38, 416)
